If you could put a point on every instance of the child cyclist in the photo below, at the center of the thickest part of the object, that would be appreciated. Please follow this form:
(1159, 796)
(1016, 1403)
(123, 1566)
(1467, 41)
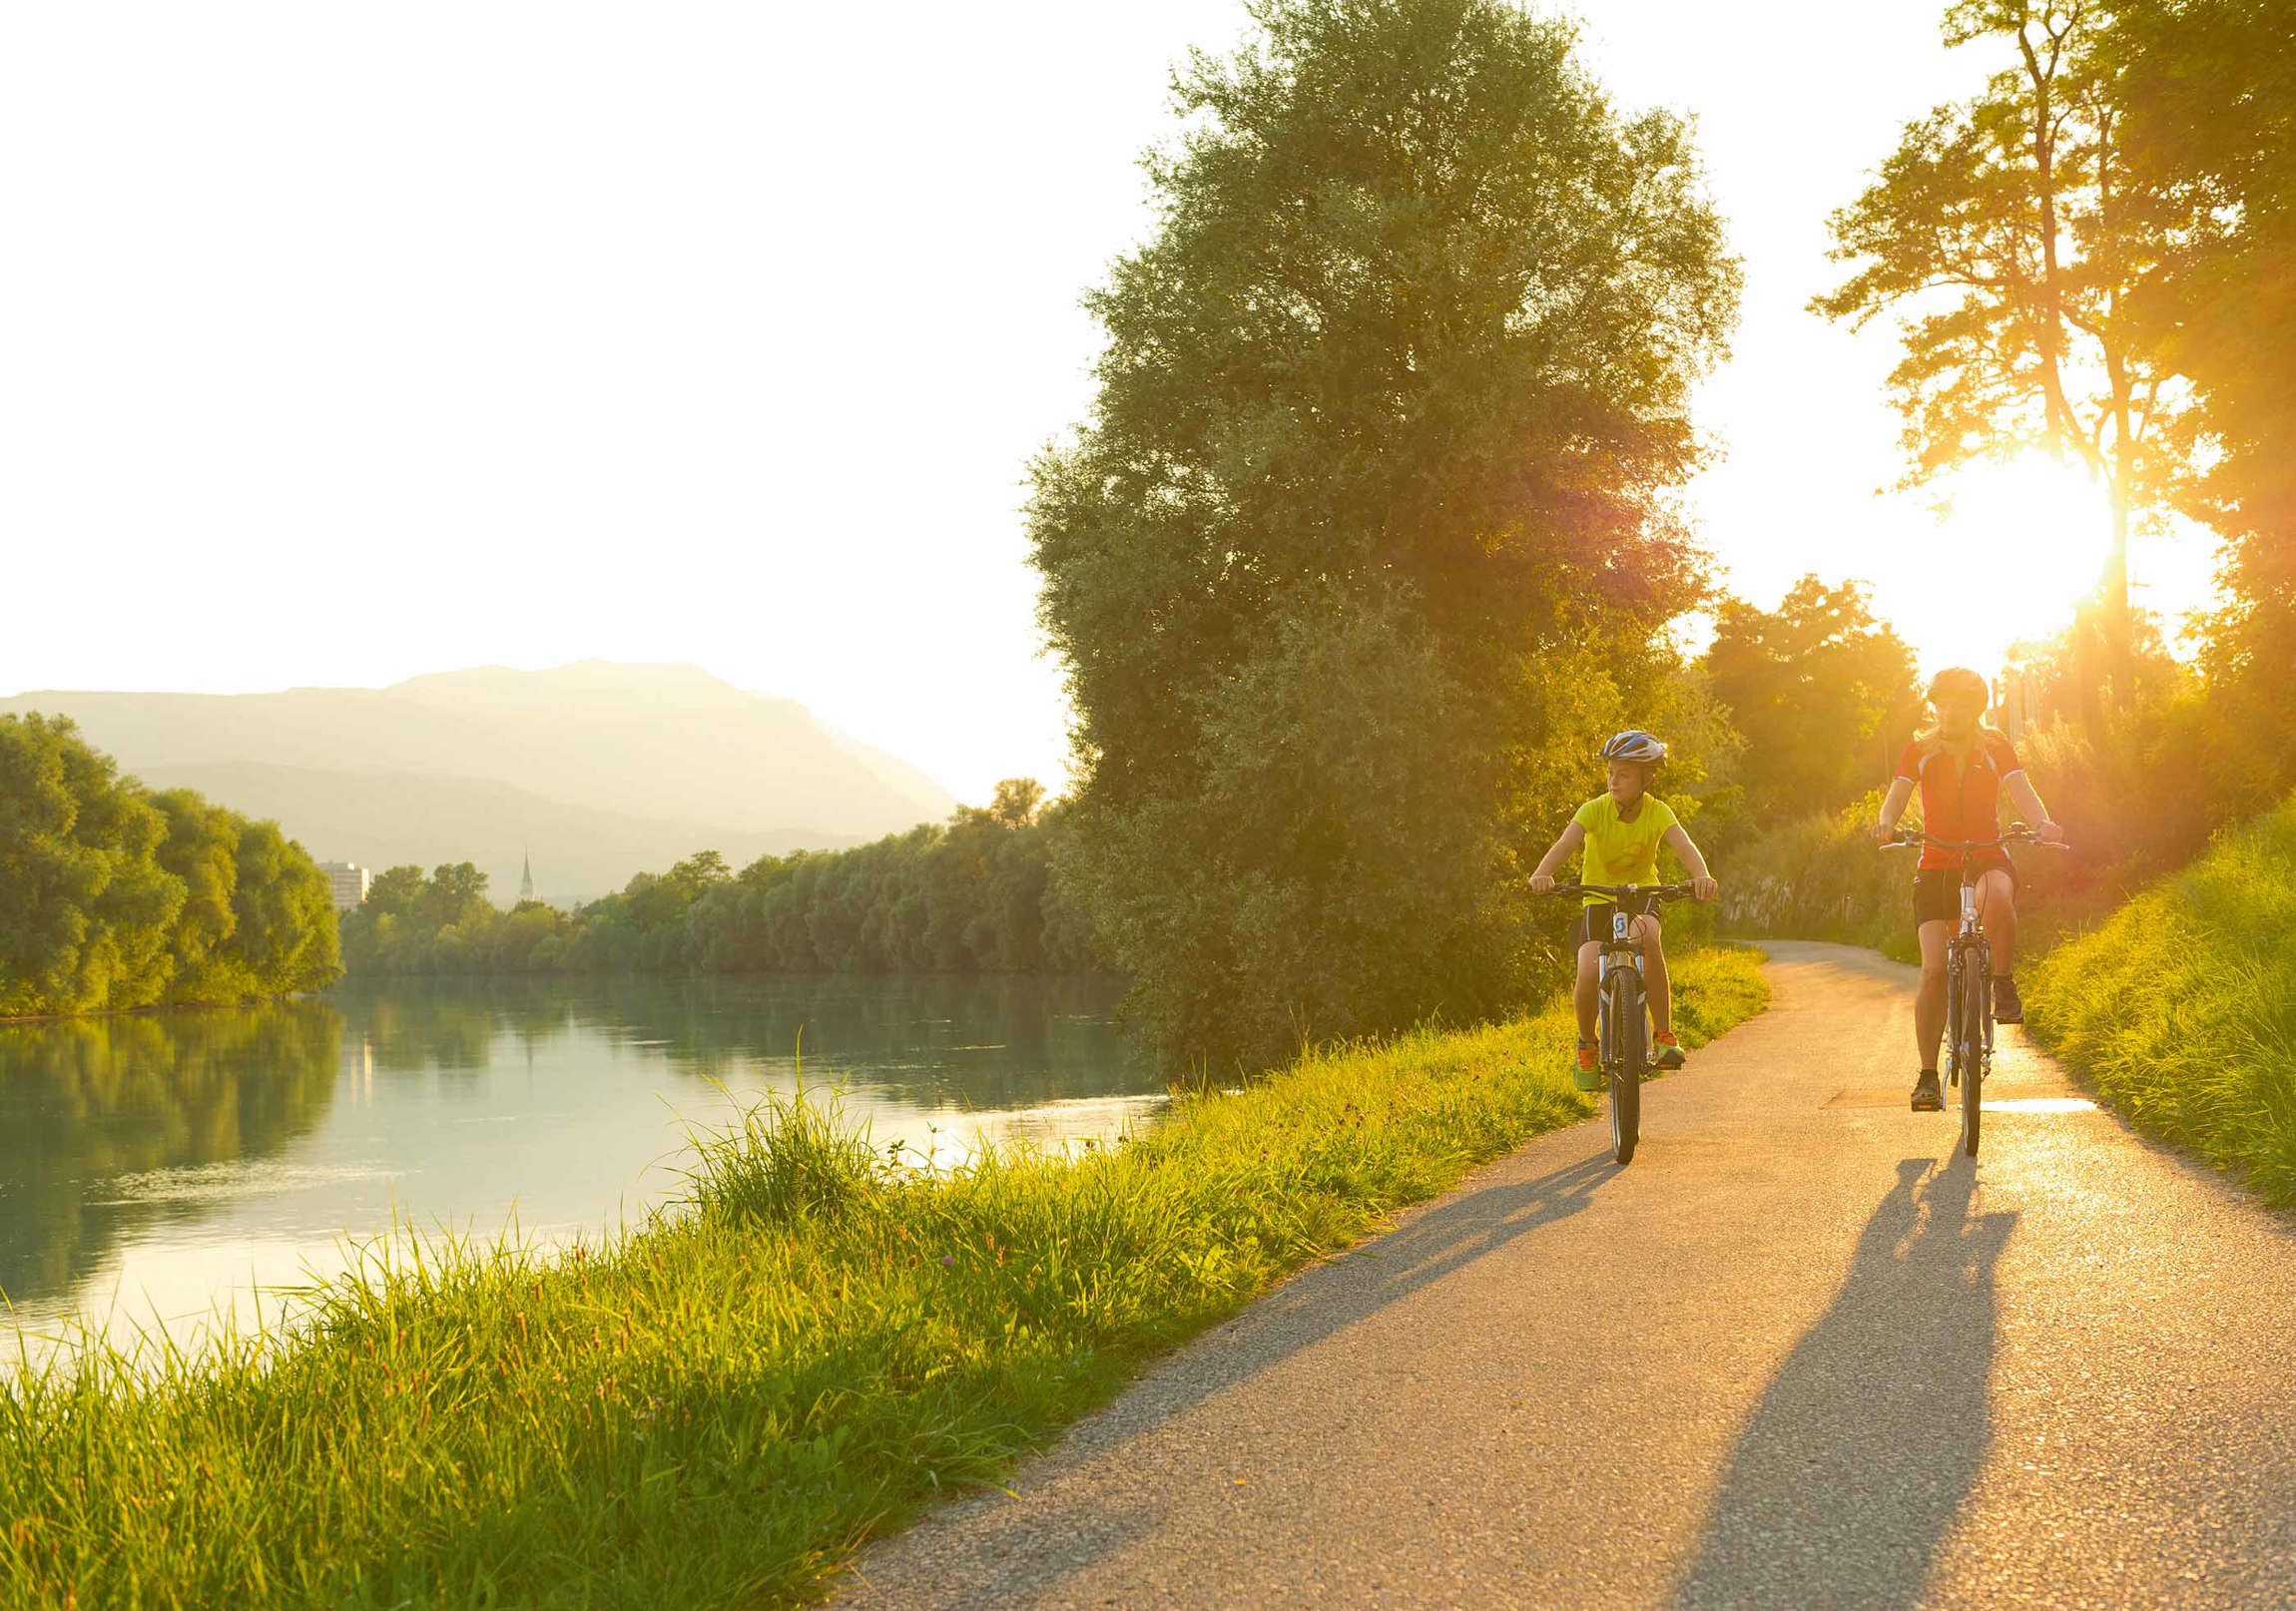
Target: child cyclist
(1621, 829)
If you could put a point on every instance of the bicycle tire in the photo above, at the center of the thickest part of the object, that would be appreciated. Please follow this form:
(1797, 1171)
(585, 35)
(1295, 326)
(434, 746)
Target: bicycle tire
(1970, 1033)
(1629, 1031)
(1952, 1019)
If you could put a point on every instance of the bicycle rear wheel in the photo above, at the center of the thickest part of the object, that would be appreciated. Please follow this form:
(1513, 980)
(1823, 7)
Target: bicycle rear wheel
(1969, 1044)
(1630, 1034)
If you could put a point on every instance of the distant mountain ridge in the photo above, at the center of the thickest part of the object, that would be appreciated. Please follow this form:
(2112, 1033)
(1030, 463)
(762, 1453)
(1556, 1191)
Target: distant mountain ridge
(599, 770)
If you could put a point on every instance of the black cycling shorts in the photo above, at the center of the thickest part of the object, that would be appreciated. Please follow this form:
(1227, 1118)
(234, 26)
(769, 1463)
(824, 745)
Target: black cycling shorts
(1593, 923)
(1938, 892)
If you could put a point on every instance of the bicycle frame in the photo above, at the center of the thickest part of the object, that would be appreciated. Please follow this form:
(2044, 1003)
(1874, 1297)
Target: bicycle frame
(1621, 951)
(1968, 957)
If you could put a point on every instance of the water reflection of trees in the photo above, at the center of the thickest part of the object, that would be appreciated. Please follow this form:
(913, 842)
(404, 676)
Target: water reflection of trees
(995, 1041)
(91, 1100)
(450, 1025)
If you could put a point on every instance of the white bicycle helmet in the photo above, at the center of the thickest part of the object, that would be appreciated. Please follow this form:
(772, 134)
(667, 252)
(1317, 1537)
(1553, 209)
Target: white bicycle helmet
(1634, 745)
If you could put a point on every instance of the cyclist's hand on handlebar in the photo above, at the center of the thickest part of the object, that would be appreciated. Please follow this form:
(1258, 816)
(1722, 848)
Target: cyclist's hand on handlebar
(1885, 833)
(1705, 889)
(1542, 884)
(2049, 833)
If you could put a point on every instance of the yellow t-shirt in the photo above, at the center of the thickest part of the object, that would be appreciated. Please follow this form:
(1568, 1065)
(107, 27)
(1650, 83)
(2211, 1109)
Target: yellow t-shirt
(1622, 852)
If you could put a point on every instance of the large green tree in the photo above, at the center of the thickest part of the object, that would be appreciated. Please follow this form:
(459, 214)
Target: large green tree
(1821, 692)
(2012, 233)
(2209, 88)
(112, 897)
(1366, 539)
(86, 908)
(2208, 92)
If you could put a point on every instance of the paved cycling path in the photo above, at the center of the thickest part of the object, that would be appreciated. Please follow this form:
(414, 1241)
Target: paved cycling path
(1797, 1354)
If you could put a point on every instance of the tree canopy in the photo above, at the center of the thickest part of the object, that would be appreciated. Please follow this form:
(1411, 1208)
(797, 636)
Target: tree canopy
(2011, 230)
(1820, 691)
(112, 896)
(2209, 88)
(1366, 539)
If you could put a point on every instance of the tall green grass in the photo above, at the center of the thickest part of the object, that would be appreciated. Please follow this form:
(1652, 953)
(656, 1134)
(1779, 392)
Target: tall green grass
(2182, 1007)
(715, 1408)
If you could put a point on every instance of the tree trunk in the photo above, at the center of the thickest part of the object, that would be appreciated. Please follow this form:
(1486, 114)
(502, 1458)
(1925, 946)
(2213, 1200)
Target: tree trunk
(2119, 642)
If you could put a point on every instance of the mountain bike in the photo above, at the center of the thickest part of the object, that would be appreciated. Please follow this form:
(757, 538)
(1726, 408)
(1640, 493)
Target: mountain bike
(1970, 973)
(1622, 1006)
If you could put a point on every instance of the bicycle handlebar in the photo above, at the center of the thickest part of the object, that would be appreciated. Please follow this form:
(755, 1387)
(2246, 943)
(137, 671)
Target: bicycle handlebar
(1621, 893)
(1915, 838)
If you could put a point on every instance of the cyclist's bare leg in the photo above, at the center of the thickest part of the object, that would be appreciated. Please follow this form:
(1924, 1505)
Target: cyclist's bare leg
(1997, 909)
(1930, 1001)
(1586, 996)
(1656, 988)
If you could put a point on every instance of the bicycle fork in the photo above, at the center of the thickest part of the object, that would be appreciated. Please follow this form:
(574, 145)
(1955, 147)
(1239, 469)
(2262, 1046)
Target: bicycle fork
(1606, 1038)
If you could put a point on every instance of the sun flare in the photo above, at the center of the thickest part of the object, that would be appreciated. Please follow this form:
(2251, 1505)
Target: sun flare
(2016, 546)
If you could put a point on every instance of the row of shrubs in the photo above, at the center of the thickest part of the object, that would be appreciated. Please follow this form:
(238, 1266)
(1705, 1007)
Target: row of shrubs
(976, 894)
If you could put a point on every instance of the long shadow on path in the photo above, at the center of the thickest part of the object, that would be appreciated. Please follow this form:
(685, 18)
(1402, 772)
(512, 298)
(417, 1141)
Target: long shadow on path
(1081, 1527)
(1864, 1448)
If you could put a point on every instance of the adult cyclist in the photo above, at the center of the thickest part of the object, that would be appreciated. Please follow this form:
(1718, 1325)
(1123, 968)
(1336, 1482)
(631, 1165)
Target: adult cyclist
(1962, 767)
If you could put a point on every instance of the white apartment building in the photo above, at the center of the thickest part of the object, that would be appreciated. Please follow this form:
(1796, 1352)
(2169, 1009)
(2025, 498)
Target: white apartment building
(348, 880)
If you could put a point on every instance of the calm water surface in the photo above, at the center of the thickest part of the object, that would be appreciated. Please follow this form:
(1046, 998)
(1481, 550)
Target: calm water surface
(167, 1167)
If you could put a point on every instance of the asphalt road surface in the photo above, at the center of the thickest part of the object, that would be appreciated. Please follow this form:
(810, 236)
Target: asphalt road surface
(1799, 1354)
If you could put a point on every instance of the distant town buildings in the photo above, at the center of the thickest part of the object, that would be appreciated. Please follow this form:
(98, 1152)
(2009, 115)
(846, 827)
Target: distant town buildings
(526, 879)
(349, 881)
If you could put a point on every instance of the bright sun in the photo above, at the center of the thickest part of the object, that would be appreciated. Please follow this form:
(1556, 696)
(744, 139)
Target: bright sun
(2037, 531)
(2014, 548)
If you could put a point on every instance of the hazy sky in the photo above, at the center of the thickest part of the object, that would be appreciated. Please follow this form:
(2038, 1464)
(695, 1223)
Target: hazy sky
(340, 344)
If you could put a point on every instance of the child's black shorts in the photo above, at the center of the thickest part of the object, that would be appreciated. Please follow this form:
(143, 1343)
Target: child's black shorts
(1593, 924)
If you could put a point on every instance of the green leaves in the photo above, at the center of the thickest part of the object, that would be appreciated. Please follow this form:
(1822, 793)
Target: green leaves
(1819, 689)
(1366, 525)
(113, 898)
(974, 895)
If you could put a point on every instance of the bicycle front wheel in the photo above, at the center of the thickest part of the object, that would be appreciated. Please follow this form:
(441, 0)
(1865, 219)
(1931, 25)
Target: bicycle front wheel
(1953, 994)
(1630, 1030)
(1970, 1043)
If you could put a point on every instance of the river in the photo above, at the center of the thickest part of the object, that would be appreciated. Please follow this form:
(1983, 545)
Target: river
(160, 1170)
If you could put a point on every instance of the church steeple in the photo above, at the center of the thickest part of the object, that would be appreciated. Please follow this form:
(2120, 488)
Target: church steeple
(526, 878)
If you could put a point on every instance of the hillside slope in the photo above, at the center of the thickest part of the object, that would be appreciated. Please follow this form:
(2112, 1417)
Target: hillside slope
(2182, 1007)
(602, 770)
(391, 817)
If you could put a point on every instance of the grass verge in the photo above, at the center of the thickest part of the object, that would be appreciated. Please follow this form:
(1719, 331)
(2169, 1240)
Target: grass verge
(715, 1408)
(2180, 1008)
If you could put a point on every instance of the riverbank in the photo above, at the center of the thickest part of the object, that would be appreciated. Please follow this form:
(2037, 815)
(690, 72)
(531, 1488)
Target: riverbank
(2180, 1007)
(717, 1406)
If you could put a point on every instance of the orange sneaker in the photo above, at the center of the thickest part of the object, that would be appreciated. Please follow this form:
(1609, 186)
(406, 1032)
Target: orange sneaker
(1668, 1051)
(1588, 1075)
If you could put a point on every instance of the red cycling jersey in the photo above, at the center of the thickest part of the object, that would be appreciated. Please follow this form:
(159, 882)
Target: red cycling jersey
(1960, 802)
